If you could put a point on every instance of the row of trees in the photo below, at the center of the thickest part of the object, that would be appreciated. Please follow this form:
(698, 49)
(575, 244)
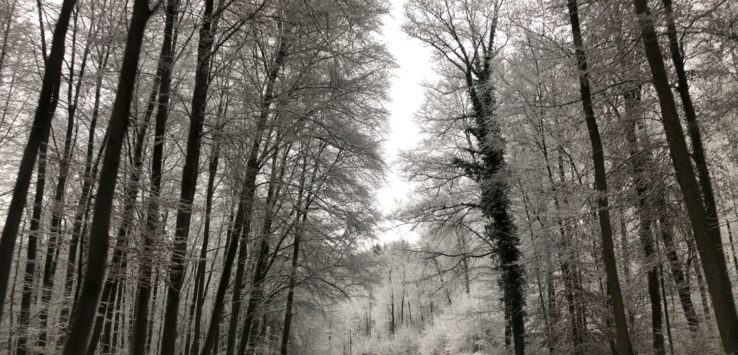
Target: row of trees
(554, 142)
(263, 117)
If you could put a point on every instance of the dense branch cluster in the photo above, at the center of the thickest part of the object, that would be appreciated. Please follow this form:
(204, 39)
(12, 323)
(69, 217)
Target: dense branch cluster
(222, 182)
(199, 177)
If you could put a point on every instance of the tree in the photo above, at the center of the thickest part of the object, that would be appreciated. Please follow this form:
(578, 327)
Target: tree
(85, 309)
(707, 237)
(47, 101)
(470, 48)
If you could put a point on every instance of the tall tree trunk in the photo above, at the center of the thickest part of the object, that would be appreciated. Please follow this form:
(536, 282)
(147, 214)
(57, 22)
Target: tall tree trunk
(57, 210)
(623, 343)
(119, 261)
(242, 221)
(189, 181)
(47, 102)
(152, 228)
(83, 204)
(31, 249)
(707, 236)
(84, 312)
(638, 168)
(273, 193)
(693, 128)
(291, 286)
(199, 300)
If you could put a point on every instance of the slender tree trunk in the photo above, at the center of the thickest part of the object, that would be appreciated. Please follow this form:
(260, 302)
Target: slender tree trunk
(245, 206)
(150, 234)
(693, 128)
(641, 182)
(199, 299)
(84, 312)
(291, 287)
(57, 210)
(273, 192)
(31, 249)
(706, 234)
(241, 221)
(83, 204)
(189, 181)
(666, 230)
(47, 101)
(623, 344)
(150, 326)
(248, 333)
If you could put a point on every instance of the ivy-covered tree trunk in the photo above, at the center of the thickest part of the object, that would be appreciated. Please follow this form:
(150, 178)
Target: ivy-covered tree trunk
(494, 202)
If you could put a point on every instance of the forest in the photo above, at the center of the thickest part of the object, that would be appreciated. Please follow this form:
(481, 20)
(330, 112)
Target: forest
(252, 177)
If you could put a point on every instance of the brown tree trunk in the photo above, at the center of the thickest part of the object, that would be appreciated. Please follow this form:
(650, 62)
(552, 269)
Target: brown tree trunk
(85, 309)
(706, 234)
(623, 343)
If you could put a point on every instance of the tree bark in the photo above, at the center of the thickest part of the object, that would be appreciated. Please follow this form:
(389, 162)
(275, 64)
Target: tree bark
(140, 329)
(189, 180)
(707, 236)
(84, 312)
(623, 342)
(47, 102)
(638, 168)
(31, 249)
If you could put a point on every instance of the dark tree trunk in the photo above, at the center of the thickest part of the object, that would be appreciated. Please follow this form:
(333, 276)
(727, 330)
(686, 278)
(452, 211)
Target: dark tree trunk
(675, 264)
(495, 203)
(31, 249)
(255, 298)
(83, 204)
(707, 235)
(638, 167)
(140, 326)
(85, 309)
(47, 102)
(291, 288)
(189, 181)
(693, 128)
(242, 221)
(623, 343)
(57, 210)
(273, 192)
(199, 300)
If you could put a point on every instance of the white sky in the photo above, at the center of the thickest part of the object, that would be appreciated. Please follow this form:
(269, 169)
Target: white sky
(406, 94)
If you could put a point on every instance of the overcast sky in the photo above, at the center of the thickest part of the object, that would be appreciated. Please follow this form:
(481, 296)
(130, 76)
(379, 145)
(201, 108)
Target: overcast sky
(406, 96)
